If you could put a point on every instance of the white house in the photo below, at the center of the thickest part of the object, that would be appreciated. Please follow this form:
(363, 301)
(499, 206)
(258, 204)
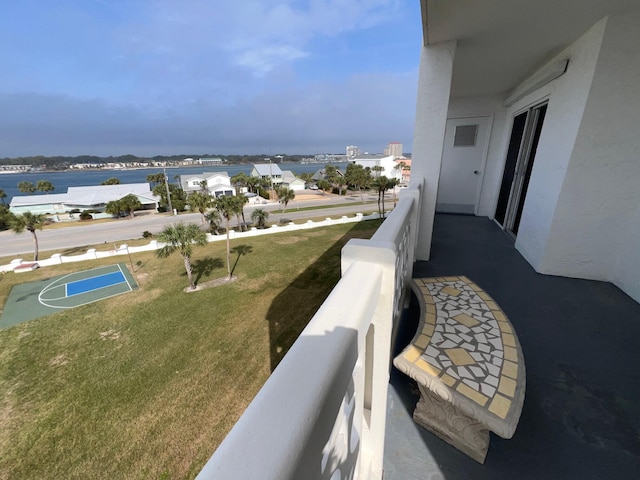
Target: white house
(217, 183)
(93, 197)
(387, 162)
(292, 182)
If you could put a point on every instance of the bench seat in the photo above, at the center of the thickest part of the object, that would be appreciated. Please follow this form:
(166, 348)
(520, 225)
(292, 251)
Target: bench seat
(467, 361)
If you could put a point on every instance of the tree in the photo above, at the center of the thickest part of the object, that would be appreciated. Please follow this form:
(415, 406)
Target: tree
(156, 178)
(225, 205)
(178, 196)
(114, 208)
(204, 187)
(45, 186)
(130, 203)
(239, 202)
(260, 216)
(239, 181)
(358, 177)
(30, 222)
(200, 202)
(381, 184)
(285, 195)
(26, 187)
(3, 195)
(5, 217)
(111, 181)
(377, 170)
(181, 237)
(213, 218)
(323, 185)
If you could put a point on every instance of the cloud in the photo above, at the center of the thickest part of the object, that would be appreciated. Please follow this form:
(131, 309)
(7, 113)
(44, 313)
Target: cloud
(368, 110)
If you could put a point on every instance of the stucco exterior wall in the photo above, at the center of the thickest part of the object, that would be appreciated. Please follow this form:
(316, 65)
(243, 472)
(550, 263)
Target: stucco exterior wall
(595, 232)
(434, 87)
(567, 97)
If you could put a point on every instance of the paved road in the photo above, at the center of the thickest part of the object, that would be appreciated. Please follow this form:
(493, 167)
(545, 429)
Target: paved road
(117, 231)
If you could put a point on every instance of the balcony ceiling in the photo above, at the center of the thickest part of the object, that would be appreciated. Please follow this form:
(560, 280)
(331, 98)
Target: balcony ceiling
(502, 42)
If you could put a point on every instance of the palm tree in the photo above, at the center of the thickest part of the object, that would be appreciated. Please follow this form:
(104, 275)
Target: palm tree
(3, 195)
(226, 207)
(114, 208)
(239, 180)
(30, 222)
(213, 218)
(381, 184)
(285, 195)
(111, 181)
(26, 187)
(260, 216)
(240, 201)
(45, 186)
(130, 203)
(182, 237)
(200, 202)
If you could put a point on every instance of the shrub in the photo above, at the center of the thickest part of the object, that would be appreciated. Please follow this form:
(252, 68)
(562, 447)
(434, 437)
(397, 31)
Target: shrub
(86, 215)
(147, 234)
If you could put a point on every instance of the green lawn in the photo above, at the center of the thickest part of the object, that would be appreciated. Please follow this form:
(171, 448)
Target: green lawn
(147, 384)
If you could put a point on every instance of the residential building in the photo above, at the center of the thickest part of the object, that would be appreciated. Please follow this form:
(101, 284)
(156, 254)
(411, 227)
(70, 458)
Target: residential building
(93, 197)
(385, 161)
(394, 148)
(527, 115)
(268, 171)
(292, 182)
(208, 161)
(216, 183)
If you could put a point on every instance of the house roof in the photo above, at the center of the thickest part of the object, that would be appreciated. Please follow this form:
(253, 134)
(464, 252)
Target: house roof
(267, 169)
(502, 42)
(90, 195)
(289, 177)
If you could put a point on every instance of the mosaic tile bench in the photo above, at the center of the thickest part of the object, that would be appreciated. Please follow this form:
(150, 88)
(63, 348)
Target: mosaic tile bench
(468, 364)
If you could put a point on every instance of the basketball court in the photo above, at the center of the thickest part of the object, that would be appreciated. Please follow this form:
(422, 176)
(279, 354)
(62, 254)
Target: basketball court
(28, 301)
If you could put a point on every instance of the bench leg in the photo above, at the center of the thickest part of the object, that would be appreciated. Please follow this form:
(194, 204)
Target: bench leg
(451, 425)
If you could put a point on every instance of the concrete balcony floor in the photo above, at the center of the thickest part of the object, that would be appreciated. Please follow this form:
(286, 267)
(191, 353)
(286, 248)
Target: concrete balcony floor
(581, 344)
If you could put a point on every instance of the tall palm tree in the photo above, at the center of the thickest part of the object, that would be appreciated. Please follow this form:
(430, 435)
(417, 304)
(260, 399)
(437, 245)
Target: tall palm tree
(182, 237)
(226, 206)
(130, 204)
(199, 201)
(285, 195)
(260, 216)
(30, 222)
(239, 202)
(45, 186)
(26, 187)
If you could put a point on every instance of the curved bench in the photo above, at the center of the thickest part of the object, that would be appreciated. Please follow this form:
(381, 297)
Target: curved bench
(468, 364)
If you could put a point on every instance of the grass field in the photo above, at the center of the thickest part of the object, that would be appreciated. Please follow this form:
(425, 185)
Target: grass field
(146, 385)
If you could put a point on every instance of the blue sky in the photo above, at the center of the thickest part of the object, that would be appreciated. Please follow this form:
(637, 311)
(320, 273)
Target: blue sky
(149, 77)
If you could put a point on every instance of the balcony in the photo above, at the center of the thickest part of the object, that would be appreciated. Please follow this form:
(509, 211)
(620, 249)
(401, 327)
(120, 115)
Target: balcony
(334, 408)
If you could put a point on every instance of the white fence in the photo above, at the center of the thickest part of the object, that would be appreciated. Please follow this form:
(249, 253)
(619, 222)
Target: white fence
(92, 254)
(322, 412)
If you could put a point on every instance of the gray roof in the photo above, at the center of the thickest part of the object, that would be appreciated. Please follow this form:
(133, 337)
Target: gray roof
(267, 169)
(91, 195)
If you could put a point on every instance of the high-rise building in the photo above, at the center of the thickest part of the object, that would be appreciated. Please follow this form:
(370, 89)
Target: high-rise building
(352, 151)
(394, 148)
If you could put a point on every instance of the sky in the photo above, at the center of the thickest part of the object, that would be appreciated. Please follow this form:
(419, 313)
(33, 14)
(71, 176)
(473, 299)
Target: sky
(154, 77)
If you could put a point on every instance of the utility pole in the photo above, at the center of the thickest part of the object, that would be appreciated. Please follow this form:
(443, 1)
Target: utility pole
(166, 184)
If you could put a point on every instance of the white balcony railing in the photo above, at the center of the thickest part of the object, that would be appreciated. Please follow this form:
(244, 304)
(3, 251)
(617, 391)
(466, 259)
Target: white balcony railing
(321, 414)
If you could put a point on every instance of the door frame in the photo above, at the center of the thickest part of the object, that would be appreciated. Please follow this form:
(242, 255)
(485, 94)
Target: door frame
(485, 153)
(512, 205)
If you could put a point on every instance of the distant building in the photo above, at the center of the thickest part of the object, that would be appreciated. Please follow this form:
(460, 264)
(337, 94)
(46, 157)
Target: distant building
(387, 163)
(94, 197)
(393, 148)
(352, 152)
(209, 161)
(216, 183)
(404, 165)
(15, 168)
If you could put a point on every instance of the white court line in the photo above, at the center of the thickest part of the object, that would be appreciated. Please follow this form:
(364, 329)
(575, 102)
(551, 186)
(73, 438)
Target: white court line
(125, 277)
(56, 283)
(86, 303)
